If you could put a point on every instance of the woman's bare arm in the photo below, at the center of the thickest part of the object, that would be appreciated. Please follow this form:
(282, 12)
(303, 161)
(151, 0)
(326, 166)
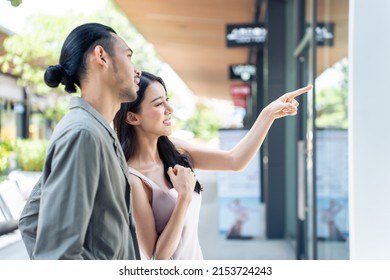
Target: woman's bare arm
(239, 157)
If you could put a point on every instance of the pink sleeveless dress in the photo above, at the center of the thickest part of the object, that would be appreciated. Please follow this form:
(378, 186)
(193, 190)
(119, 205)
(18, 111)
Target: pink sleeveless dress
(163, 203)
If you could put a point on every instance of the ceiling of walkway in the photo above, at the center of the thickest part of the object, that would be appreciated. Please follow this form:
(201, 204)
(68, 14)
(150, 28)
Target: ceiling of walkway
(190, 36)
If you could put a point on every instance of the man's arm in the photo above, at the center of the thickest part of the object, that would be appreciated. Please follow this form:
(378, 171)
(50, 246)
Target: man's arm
(28, 221)
(67, 199)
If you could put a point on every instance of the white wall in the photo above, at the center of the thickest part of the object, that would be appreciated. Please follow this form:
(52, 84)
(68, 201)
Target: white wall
(9, 89)
(369, 136)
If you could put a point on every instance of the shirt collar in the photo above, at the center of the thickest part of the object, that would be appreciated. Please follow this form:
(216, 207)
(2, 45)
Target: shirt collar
(78, 102)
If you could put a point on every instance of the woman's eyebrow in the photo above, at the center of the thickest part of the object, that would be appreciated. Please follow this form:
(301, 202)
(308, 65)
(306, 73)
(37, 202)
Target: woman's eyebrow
(156, 99)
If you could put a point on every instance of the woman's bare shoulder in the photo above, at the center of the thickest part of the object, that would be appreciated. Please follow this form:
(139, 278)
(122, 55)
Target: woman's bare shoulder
(140, 188)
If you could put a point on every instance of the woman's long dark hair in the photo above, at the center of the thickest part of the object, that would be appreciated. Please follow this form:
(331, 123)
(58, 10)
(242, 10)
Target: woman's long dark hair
(127, 134)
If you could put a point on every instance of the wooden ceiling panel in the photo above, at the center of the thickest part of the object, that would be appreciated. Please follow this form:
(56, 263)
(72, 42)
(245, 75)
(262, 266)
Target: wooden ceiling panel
(190, 37)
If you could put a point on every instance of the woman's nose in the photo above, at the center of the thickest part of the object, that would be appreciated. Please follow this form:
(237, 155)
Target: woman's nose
(169, 109)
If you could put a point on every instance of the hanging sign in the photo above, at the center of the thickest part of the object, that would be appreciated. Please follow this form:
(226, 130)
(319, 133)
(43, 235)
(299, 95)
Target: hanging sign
(240, 93)
(324, 33)
(240, 89)
(240, 35)
(244, 72)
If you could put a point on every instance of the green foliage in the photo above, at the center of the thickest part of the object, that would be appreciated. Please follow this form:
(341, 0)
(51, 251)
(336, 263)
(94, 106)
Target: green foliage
(30, 154)
(55, 113)
(29, 54)
(6, 148)
(204, 123)
(15, 3)
(332, 108)
(332, 102)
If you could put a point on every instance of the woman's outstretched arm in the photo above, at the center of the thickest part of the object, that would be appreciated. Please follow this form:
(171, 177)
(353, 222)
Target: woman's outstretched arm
(240, 155)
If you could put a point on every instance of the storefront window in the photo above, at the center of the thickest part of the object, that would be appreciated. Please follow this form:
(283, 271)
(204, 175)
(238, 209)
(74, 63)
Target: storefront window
(331, 128)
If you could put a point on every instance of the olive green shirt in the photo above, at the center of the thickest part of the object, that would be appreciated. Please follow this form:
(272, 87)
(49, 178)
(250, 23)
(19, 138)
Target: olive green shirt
(81, 206)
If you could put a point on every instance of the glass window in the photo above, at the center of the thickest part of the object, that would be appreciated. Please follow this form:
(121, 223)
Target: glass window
(331, 126)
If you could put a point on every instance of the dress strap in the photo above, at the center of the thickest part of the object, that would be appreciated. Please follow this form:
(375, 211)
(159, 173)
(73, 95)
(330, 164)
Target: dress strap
(142, 177)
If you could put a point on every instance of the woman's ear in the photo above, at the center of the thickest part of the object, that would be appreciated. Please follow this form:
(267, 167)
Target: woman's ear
(132, 119)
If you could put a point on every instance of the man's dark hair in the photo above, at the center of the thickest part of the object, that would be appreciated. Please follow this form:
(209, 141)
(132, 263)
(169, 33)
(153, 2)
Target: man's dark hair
(72, 64)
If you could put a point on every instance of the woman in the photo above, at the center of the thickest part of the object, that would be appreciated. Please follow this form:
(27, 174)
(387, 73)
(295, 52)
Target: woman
(166, 194)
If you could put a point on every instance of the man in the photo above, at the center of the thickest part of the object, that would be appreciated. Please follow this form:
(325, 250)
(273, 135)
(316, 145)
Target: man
(81, 206)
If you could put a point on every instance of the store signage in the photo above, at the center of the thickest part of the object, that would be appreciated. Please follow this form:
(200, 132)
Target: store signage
(240, 35)
(240, 89)
(240, 93)
(324, 33)
(239, 101)
(245, 72)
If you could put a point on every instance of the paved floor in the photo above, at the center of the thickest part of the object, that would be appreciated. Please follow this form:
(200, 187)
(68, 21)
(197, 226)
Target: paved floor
(12, 249)
(214, 246)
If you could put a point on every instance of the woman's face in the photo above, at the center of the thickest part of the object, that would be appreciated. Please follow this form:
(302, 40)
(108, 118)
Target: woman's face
(155, 111)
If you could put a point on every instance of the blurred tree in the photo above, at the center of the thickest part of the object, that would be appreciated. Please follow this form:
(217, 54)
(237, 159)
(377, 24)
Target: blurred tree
(28, 55)
(332, 102)
(332, 108)
(15, 3)
(204, 123)
(6, 148)
(30, 154)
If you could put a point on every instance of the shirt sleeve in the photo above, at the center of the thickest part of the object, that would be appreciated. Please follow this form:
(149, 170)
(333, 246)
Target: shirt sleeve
(68, 194)
(28, 221)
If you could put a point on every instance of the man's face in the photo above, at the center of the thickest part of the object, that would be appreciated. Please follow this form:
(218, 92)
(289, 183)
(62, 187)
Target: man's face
(126, 75)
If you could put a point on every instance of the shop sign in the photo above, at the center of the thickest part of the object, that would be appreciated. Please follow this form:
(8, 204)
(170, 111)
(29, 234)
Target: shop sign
(243, 35)
(245, 72)
(240, 89)
(324, 33)
(239, 101)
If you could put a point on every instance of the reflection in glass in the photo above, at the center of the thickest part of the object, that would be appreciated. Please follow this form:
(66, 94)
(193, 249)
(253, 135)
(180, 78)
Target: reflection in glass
(331, 127)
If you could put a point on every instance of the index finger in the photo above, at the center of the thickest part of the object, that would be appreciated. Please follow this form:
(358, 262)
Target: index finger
(291, 95)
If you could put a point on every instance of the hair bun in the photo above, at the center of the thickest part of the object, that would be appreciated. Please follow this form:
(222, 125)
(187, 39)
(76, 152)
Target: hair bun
(53, 75)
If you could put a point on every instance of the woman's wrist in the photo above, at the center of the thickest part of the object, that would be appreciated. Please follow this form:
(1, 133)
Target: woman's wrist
(267, 114)
(184, 197)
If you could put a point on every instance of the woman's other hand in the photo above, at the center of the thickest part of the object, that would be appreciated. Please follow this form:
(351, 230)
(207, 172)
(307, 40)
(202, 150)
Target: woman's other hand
(183, 180)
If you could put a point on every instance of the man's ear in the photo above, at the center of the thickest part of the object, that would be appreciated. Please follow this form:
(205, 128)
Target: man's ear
(132, 119)
(100, 55)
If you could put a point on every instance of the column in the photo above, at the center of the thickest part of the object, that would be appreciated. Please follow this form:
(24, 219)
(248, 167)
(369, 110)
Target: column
(369, 133)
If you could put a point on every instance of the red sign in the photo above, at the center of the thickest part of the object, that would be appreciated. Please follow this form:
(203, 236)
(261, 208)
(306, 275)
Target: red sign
(240, 93)
(239, 101)
(240, 89)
